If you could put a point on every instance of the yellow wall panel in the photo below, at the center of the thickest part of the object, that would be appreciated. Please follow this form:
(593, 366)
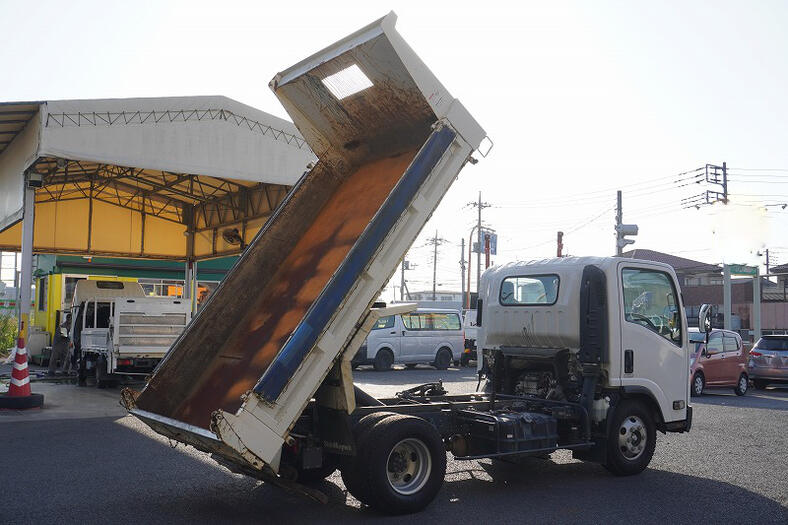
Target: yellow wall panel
(114, 229)
(164, 237)
(203, 243)
(12, 237)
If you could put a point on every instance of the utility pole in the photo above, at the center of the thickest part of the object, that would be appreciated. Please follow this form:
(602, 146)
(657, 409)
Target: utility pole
(462, 268)
(402, 280)
(622, 230)
(403, 285)
(479, 205)
(435, 242)
(560, 244)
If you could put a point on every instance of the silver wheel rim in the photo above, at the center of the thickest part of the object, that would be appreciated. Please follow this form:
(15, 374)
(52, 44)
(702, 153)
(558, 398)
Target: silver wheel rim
(632, 437)
(743, 384)
(698, 384)
(408, 467)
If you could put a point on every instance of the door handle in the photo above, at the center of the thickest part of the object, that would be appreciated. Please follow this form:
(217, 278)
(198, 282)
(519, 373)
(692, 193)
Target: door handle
(394, 332)
(629, 361)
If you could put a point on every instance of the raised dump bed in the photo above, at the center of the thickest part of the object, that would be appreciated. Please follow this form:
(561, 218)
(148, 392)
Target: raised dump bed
(390, 140)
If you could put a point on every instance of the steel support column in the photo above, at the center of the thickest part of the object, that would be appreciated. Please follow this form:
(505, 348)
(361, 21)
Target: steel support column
(26, 273)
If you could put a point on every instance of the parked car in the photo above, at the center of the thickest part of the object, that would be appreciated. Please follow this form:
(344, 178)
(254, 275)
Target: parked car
(720, 363)
(768, 361)
(469, 326)
(430, 336)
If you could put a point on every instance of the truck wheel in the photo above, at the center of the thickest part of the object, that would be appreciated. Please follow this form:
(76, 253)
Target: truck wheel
(383, 360)
(742, 385)
(632, 438)
(442, 359)
(405, 464)
(760, 384)
(82, 373)
(353, 468)
(101, 373)
(698, 384)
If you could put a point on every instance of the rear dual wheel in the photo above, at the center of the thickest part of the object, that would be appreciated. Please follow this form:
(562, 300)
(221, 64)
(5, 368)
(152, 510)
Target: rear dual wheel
(399, 465)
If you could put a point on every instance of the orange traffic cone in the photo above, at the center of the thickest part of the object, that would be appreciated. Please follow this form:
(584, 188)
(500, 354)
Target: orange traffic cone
(19, 395)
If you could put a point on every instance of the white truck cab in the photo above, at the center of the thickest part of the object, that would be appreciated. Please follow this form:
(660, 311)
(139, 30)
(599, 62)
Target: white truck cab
(576, 327)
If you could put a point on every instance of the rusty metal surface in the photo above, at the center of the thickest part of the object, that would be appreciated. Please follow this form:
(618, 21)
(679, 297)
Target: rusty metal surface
(231, 343)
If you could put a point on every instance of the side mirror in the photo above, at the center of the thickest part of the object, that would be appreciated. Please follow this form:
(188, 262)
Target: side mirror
(704, 320)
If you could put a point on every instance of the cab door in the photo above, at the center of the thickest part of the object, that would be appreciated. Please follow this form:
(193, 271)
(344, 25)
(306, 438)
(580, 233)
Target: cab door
(653, 339)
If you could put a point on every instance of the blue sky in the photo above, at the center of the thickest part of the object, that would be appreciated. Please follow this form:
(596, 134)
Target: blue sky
(580, 98)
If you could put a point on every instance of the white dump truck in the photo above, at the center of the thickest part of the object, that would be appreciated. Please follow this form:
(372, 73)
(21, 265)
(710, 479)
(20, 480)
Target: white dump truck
(116, 330)
(261, 378)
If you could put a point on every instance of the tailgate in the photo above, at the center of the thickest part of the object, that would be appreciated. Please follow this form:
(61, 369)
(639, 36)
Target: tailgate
(390, 140)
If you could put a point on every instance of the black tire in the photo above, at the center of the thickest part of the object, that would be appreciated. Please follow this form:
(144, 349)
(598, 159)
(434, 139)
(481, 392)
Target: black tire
(443, 359)
(394, 446)
(102, 381)
(353, 468)
(760, 384)
(632, 422)
(698, 384)
(82, 373)
(742, 386)
(383, 360)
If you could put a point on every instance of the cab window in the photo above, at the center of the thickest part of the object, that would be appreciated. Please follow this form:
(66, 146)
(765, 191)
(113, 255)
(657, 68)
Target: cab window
(384, 322)
(650, 301)
(531, 290)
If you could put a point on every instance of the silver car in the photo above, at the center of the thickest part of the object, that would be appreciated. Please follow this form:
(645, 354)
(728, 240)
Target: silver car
(429, 336)
(768, 362)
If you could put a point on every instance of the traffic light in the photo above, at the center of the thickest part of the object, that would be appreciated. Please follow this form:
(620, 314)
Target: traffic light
(622, 230)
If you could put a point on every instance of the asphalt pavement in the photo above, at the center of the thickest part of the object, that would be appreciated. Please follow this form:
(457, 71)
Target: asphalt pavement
(80, 459)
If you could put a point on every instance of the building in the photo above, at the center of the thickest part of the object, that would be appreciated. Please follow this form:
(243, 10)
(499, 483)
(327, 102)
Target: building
(689, 271)
(702, 283)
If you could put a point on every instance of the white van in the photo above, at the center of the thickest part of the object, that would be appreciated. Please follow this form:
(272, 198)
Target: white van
(427, 335)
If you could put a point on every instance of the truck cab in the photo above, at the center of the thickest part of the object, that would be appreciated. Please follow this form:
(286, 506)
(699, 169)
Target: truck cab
(601, 331)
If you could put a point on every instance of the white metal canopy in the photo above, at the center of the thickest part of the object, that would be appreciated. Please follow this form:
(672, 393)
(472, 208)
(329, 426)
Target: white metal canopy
(201, 164)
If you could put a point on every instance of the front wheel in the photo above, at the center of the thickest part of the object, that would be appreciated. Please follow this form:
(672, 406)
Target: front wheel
(632, 439)
(742, 385)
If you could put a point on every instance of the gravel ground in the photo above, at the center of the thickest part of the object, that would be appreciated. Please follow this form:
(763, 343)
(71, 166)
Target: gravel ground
(731, 467)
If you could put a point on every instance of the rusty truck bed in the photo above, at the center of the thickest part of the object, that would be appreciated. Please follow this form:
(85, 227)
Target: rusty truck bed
(249, 325)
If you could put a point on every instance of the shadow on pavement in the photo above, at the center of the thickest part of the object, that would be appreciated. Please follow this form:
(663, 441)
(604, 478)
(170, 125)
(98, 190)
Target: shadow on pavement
(116, 470)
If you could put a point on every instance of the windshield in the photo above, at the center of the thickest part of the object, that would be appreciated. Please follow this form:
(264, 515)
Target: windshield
(772, 343)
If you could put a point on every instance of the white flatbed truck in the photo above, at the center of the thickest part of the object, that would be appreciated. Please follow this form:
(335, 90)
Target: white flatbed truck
(261, 379)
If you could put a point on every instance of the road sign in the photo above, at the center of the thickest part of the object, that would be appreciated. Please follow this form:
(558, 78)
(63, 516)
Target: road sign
(493, 242)
(743, 269)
